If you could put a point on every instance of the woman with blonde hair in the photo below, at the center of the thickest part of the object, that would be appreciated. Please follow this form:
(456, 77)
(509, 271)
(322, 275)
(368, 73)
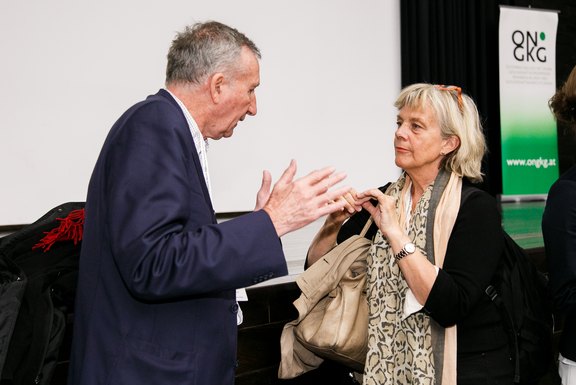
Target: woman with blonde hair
(437, 244)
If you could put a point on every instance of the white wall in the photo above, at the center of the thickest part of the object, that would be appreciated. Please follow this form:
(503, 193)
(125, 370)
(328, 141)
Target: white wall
(330, 72)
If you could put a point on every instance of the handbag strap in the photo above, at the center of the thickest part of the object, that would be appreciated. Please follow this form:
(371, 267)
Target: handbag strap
(366, 227)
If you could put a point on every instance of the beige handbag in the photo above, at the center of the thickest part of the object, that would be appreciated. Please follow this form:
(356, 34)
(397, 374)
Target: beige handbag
(333, 311)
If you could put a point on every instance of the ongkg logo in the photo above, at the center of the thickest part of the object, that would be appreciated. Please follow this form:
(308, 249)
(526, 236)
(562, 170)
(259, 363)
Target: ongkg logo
(529, 46)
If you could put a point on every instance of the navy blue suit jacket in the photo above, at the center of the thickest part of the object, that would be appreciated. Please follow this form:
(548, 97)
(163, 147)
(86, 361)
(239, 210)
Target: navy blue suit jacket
(156, 291)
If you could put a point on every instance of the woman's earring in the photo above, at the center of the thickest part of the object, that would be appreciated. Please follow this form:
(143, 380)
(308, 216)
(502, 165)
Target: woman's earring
(442, 154)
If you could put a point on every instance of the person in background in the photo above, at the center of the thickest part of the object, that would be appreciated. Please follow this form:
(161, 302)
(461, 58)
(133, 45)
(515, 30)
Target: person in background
(559, 232)
(438, 244)
(156, 289)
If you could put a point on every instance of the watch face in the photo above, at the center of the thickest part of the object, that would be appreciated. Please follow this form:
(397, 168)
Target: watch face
(410, 248)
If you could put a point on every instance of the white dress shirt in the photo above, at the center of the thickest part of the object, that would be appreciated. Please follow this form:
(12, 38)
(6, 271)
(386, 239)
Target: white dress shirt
(202, 147)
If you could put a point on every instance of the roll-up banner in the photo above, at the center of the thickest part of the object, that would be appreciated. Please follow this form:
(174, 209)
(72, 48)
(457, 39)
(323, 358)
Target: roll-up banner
(527, 48)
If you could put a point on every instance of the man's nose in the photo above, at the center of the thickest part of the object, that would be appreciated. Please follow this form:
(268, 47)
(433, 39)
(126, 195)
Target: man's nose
(252, 109)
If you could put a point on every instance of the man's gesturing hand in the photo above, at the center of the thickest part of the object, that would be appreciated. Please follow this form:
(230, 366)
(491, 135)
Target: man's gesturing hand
(264, 192)
(295, 203)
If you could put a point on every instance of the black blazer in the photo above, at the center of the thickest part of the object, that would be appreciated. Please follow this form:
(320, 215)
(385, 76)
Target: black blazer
(559, 231)
(457, 296)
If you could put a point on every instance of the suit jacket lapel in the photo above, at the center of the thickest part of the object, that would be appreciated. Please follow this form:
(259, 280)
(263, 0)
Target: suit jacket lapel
(193, 152)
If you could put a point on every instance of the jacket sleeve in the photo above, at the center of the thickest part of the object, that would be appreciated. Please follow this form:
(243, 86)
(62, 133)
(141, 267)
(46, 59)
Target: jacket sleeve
(161, 225)
(474, 250)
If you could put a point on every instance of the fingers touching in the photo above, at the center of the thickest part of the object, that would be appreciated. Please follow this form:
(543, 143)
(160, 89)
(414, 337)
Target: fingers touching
(294, 203)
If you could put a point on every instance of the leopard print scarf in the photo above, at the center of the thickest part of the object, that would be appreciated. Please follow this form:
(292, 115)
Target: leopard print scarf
(412, 350)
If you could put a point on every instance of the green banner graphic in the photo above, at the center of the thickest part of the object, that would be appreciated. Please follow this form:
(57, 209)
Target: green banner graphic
(527, 81)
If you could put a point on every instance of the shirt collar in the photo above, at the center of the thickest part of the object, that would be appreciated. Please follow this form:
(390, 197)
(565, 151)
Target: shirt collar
(199, 141)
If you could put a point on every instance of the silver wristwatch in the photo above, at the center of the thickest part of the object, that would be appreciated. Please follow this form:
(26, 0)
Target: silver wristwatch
(408, 248)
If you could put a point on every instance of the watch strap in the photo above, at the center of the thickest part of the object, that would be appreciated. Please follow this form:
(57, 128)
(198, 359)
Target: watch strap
(404, 252)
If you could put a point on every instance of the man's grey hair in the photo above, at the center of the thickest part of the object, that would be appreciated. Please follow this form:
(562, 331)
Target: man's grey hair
(203, 49)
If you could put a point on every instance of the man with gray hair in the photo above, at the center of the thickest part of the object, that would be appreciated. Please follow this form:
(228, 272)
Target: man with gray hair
(156, 292)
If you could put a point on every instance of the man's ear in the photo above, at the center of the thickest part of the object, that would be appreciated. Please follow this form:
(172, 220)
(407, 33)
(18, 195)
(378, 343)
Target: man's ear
(216, 85)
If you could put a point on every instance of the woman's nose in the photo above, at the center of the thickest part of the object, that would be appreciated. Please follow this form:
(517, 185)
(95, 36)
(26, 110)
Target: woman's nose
(400, 131)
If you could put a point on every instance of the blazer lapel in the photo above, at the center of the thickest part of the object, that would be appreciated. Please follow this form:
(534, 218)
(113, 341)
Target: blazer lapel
(194, 152)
